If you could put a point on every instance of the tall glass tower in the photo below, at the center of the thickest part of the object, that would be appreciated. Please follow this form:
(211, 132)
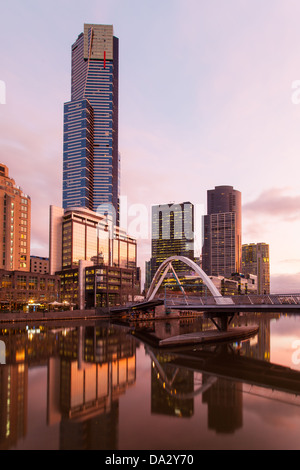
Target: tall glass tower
(90, 155)
(172, 234)
(222, 246)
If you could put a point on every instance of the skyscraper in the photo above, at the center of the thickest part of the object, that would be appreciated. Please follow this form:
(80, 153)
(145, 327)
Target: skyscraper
(255, 260)
(15, 225)
(221, 254)
(172, 234)
(90, 155)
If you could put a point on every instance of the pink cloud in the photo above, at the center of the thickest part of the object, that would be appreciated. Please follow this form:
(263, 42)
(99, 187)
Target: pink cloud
(274, 202)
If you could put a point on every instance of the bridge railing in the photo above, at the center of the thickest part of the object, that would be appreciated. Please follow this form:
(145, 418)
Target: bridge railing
(246, 299)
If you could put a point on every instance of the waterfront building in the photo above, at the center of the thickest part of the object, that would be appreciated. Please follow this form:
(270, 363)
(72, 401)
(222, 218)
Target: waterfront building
(256, 260)
(78, 234)
(85, 245)
(221, 255)
(238, 284)
(22, 290)
(39, 264)
(172, 234)
(91, 160)
(15, 224)
(98, 285)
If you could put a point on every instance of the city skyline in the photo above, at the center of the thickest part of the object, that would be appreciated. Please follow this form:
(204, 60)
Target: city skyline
(234, 124)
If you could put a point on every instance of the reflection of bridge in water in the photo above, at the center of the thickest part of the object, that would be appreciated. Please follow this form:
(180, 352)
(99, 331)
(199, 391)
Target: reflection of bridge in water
(223, 362)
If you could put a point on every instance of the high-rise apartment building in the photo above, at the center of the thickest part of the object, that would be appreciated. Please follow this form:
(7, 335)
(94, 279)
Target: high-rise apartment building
(172, 234)
(222, 246)
(256, 260)
(15, 224)
(90, 157)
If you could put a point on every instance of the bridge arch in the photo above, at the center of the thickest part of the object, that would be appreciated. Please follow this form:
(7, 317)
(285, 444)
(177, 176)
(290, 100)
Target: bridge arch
(167, 265)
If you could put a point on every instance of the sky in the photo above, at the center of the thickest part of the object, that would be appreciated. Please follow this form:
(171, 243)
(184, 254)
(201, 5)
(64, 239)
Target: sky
(208, 94)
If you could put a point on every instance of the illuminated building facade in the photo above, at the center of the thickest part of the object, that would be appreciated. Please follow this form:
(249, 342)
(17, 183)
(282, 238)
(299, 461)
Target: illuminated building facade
(172, 234)
(15, 224)
(96, 260)
(83, 235)
(19, 289)
(91, 158)
(221, 255)
(256, 260)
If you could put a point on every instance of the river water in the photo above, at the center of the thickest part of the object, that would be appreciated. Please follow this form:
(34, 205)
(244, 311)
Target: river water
(100, 385)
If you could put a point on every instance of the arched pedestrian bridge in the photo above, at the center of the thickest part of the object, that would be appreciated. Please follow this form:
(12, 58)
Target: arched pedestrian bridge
(167, 266)
(220, 309)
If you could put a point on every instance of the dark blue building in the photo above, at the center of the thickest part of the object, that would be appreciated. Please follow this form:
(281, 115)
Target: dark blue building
(91, 156)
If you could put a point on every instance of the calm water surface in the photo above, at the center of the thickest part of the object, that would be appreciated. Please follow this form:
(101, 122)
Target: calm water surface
(99, 385)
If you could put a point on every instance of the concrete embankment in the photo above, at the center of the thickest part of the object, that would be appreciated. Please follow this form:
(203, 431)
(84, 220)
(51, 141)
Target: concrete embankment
(16, 317)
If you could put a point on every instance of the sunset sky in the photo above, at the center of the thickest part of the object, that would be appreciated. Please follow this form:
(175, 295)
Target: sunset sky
(206, 99)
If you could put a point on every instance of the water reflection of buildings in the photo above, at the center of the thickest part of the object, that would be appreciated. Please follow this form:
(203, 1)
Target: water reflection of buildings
(174, 388)
(13, 404)
(87, 405)
(171, 389)
(88, 370)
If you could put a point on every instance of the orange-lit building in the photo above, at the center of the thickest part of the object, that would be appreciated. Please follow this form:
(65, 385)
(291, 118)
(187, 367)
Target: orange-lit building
(96, 260)
(256, 260)
(15, 224)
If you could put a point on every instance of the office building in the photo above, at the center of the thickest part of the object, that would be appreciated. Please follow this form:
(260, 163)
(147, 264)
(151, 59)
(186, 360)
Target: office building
(91, 160)
(96, 260)
(221, 254)
(256, 260)
(15, 224)
(79, 234)
(172, 234)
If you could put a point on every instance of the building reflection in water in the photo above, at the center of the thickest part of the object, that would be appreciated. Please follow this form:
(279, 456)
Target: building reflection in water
(89, 368)
(174, 388)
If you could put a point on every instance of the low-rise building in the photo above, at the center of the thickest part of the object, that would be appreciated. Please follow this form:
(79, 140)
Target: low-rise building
(20, 290)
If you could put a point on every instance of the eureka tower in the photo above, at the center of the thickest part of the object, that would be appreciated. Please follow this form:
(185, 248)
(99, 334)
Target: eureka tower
(91, 162)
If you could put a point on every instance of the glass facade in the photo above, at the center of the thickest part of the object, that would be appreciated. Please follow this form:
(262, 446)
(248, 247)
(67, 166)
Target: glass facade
(85, 236)
(114, 286)
(91, 157)
(78, 154)
(256, 260)
(172, 234)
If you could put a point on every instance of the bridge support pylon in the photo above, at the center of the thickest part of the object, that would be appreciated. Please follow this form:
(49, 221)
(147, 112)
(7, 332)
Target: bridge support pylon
(221, 320)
